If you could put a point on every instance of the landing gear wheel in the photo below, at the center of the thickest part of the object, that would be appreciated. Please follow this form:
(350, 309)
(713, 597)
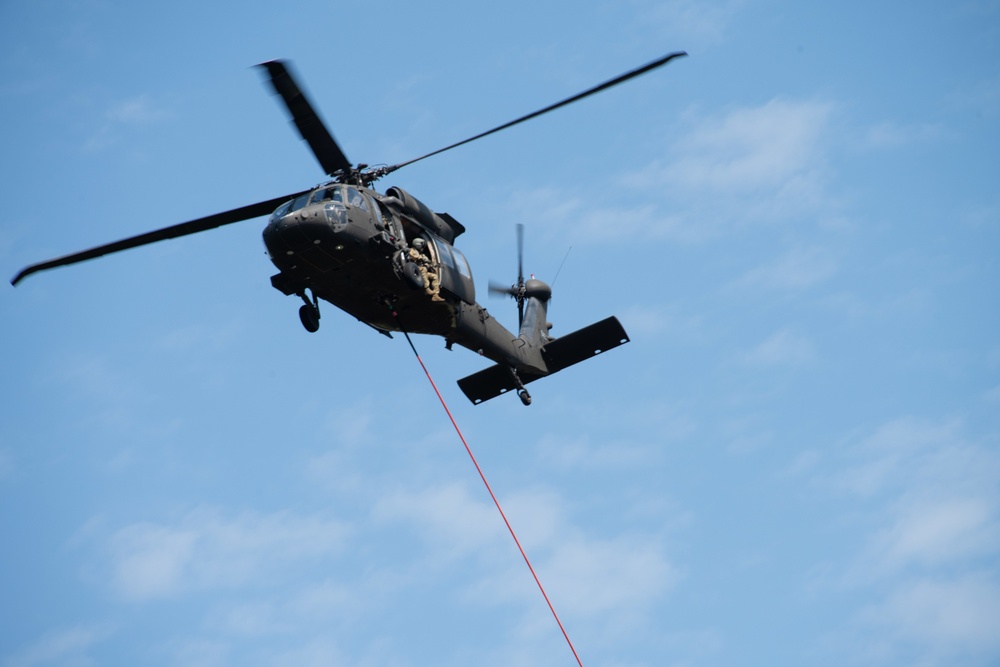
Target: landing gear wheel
(524, 396)
(309, 315)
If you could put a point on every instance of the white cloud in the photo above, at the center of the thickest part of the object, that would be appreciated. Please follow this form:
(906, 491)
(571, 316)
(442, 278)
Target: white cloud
(775, 147)
(649, 320)
(564, 216)
(593, 576)
(936, 496)
(320, 652)
(138, 110)
(250, 619)
(205, 549)
(945, 619)
(928, 532)
(700, 23)
(797, 269)
(920, 456)
(894, 135)
(782, 348)
(152, 561)
(124, 115)
(65, 647)
(449, 516)
(335, 598)
(602, 577)
(932, 503)
(581, 453)
(761, 164)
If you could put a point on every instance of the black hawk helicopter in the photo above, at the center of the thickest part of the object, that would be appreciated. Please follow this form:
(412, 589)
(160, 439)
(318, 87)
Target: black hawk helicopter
(390, 261)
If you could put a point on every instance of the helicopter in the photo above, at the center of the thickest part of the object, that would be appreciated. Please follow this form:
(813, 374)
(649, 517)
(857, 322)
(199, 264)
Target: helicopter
(391, 262)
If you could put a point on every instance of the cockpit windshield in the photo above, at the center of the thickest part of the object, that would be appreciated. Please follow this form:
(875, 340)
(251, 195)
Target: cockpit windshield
(354, 198)
(337, 194)
(282, 211)
(327, 194)
(332, 193)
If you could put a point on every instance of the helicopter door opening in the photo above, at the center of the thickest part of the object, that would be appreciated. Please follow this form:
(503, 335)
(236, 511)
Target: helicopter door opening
(456, 276)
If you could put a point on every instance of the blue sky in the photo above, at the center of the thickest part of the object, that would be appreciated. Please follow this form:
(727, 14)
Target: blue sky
(795, 460)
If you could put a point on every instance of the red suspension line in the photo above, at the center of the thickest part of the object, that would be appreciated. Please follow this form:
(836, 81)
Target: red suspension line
(495, 501)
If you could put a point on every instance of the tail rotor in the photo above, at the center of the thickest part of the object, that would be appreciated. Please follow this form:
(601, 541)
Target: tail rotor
(517, 290)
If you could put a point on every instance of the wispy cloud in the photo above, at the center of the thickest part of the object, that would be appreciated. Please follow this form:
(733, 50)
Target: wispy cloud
(700, 23)
(927, 531)
(782, 348)
(797, 269)
(141, 110)
(765, 164)
(205, 549)
(948, 620)
(450, 516)
(592, 575)
(63, 647)
(894, 135)
(934, 506)
(771, 147)
(123, 116)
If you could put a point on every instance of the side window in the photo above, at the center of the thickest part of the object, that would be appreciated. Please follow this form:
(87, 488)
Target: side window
(381, 214)
(354, 198)
(461, 264)
(444, 252)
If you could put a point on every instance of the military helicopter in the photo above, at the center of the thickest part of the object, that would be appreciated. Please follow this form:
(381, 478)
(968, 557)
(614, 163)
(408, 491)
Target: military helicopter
(390, 261)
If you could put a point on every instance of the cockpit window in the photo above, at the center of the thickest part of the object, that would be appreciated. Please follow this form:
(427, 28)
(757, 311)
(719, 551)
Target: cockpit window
(327, 194)
(354, 198)
(282, 211)
(299, 202)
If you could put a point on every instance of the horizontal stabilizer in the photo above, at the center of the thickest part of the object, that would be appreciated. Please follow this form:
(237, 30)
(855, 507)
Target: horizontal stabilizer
(491, 382)
(559, 354)
(583, 344)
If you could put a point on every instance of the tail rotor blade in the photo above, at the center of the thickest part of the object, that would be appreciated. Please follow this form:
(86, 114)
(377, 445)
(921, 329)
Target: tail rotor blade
(520, 253)
(520, 274)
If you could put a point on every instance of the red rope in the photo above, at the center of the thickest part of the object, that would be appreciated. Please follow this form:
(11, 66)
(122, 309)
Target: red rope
(495, 501)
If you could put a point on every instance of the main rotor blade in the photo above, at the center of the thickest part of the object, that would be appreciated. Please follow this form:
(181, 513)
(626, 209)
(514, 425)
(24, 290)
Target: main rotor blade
(552, 107)
(308, 122)
(183, 229)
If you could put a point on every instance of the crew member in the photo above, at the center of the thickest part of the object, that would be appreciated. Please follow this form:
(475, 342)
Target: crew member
(432, 282)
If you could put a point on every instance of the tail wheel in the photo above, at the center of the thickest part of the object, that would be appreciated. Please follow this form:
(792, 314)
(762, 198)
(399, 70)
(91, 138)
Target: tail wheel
(309, 315)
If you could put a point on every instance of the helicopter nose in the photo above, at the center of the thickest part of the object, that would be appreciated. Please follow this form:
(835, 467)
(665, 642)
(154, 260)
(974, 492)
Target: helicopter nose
(305, 237)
